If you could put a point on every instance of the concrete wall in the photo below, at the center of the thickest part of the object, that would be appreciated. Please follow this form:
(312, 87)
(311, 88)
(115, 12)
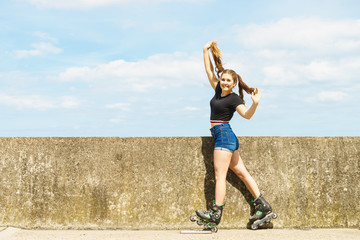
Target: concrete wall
(157, 183)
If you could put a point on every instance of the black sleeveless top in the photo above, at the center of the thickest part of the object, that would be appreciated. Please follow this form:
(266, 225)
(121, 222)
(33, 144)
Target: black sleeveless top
(223, 108)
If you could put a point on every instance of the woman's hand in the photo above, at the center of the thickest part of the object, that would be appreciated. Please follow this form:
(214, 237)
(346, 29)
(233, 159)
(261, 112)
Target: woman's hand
(248, 113)
(208, 45)
(255, 96)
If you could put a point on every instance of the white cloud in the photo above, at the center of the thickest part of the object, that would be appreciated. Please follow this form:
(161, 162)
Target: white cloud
(277, 74)
(45, 36)
(115, 120)
(42, 48)
(121, 106)
(301, 34)
(191, 109)
(331, 96)
(320, 70)
(17, 79)
(339, 71)
(38, 49)
(327, 97)
(296, 51)
(161, 71)
(118, 119)
(68, 102)
(89, 4)
(38, 102)
(77, 4)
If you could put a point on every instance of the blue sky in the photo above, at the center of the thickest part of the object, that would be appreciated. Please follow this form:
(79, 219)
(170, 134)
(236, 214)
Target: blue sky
(135, 68)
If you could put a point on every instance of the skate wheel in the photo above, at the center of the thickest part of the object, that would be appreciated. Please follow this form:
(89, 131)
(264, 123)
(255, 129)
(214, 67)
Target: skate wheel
(274, 215)
(199, 223)
(254, 227)
(193, 218)
(215, 229)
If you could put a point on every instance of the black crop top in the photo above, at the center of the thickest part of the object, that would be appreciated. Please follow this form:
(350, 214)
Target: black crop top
(223, 108)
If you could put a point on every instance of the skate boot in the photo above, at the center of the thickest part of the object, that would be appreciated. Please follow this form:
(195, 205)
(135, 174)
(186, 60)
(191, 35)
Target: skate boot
(263, 213)
(262, 208)
(212, 215)
(210, 218)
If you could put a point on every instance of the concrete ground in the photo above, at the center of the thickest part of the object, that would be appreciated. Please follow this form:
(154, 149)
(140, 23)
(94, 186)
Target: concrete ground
(269, 234)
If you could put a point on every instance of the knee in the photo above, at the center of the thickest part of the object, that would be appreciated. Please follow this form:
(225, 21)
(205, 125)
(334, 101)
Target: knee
(220, 177)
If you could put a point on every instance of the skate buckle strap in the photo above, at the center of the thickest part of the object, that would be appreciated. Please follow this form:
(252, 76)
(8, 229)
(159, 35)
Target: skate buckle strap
(222, 205)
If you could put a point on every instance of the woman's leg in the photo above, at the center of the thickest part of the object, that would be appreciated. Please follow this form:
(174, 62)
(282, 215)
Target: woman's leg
(222, 161)
(238, 167)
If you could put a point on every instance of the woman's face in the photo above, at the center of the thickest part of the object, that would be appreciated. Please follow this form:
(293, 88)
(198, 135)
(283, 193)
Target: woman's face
(227, 83)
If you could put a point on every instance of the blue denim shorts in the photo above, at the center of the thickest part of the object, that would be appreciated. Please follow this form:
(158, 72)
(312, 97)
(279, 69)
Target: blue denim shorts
(225, 138)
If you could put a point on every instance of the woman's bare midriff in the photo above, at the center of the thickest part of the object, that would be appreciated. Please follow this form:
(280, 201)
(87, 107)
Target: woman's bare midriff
(214, 124)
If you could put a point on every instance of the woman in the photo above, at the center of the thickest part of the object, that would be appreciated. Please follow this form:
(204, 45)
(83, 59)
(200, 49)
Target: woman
(226, 155)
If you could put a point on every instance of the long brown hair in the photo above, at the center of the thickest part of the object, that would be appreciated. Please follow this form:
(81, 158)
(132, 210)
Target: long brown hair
(216, 53)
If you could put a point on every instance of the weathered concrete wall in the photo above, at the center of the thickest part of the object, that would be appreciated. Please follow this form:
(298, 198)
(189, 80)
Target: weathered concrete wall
(156, 183)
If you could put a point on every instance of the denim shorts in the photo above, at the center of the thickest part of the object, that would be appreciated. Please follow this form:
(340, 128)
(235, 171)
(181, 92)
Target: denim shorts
(225, 138)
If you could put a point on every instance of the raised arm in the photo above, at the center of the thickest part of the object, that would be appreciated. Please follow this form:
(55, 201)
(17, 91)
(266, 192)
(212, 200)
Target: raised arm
(209, 67)
(248, 113)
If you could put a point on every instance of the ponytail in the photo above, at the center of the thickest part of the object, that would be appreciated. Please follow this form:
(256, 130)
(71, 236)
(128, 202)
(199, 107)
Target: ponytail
(243, 86)
(217, 58)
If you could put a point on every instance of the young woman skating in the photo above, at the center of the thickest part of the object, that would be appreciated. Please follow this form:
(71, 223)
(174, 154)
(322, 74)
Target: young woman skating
(226, 155)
